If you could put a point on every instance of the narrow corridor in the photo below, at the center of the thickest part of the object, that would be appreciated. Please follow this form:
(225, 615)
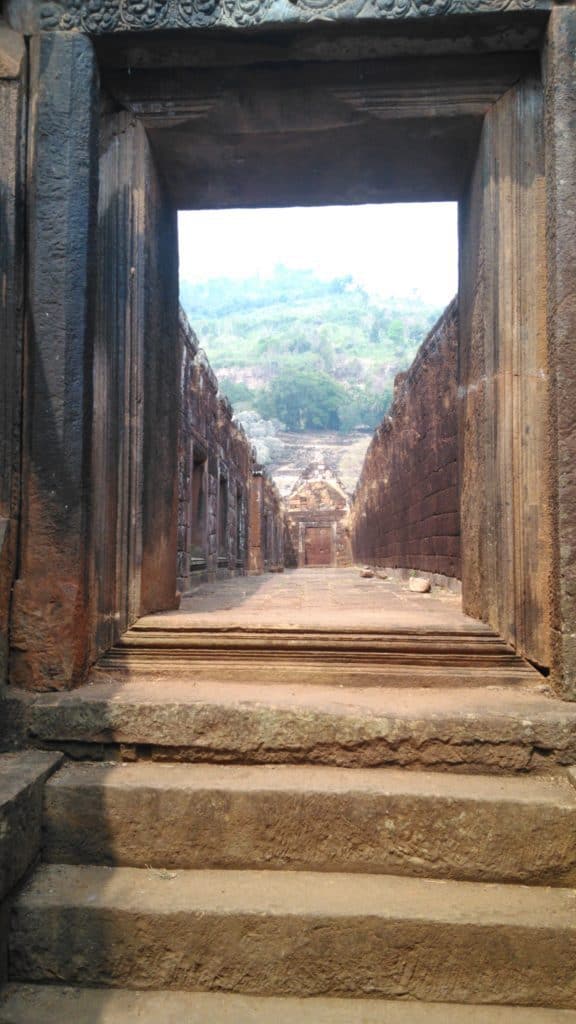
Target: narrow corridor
(336, 599)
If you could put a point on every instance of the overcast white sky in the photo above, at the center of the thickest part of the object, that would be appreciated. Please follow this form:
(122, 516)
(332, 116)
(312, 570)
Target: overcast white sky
(390, 250)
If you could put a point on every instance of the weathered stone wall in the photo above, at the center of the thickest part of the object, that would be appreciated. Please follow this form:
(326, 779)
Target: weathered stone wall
(226, 505)
(318, 505)
(51, 617)
(266, 525)
(273, 527)
(405, 511)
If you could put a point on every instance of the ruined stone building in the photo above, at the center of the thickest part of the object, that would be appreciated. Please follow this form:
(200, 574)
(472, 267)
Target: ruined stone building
(316, 517)
(223, 494)
(276, 817)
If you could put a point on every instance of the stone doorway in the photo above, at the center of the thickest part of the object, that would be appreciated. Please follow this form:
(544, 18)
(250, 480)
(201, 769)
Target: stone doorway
(393, 110)
(468, 128)
(318, 546)
(318, 831)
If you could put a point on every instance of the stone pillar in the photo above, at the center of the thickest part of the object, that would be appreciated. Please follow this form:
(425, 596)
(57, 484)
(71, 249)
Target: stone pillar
(301, 545)
(12, 170)
(51, 619)
(256, 526)
(560, 131)
(162, 347)
(136, 384)
(185, 474)
(506, 519)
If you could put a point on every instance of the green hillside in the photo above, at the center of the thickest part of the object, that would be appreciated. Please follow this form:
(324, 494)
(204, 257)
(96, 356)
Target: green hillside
(315, 354)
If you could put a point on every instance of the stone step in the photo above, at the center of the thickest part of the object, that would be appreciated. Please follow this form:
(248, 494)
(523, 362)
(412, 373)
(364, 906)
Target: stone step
(363, 657)
(39, 1004)
(22, 778)
(149, 630)
(313, 818)
(312, 670)
(297, 934)
(485, 730)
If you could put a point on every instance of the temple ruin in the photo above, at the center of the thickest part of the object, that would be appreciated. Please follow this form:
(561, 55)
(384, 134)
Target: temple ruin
(305, 796)
(317, 511)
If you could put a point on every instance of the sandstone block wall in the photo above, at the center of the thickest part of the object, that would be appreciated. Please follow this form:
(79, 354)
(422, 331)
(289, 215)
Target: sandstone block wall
(226, 505)
(273, 527)
(405, 511)
(266, 525)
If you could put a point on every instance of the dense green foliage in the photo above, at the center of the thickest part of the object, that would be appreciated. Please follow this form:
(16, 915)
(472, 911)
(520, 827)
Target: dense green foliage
(314, 354)
(304, 400)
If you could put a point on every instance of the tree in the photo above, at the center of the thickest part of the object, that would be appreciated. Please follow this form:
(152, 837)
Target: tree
(397, 334)
(304, 400)
(237, 392)
(364, 408)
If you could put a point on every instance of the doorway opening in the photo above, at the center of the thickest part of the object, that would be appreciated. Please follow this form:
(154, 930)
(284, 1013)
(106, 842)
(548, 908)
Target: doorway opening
(318, 547)
(198, 510)
(222, 514)
(468, 130)
(324, 334)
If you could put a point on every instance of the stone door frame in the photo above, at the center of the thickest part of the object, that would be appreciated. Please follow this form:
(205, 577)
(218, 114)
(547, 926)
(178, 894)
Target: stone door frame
(62, 619)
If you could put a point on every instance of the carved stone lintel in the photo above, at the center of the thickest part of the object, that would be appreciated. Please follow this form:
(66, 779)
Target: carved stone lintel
(98, 17)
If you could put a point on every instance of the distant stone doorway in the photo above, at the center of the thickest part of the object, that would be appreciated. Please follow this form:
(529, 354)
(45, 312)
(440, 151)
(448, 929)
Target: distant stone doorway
(318, 546)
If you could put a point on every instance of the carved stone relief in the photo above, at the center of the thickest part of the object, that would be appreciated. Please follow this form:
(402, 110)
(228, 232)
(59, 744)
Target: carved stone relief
(97, 17)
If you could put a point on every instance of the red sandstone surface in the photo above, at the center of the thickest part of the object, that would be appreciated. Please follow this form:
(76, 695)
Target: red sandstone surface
(406, 507)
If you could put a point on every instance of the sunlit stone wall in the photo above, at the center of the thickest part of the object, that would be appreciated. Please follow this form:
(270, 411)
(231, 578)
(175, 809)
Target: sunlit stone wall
(405, 511)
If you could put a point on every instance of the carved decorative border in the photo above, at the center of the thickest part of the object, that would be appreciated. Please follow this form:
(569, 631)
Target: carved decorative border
(97, 17)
